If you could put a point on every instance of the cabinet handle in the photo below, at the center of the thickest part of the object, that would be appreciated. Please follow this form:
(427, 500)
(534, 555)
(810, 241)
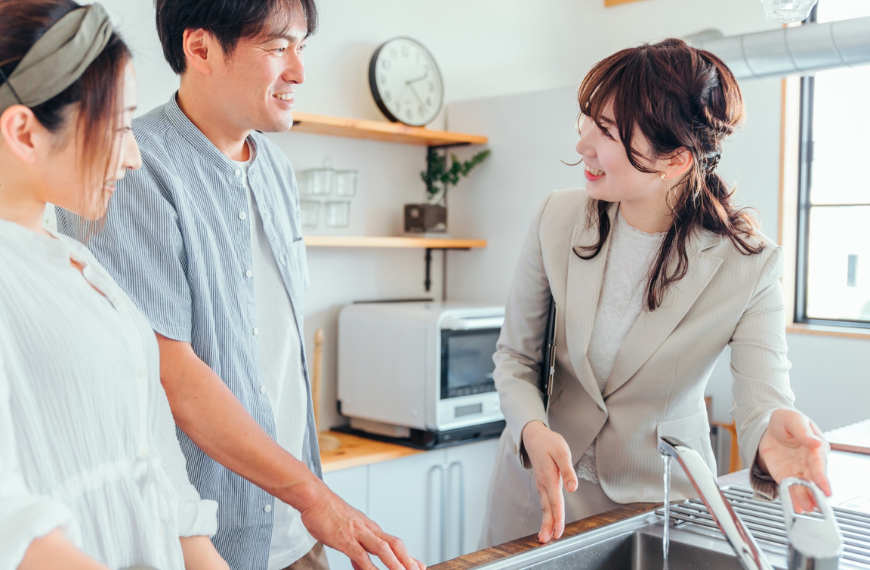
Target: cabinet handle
(461, 465)
(442, 471)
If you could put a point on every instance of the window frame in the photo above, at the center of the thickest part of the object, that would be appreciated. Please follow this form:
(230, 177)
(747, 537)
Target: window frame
(805, 205)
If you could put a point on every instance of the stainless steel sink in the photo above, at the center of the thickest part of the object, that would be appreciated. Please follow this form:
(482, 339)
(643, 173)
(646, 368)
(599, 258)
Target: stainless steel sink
(695, 541)
(632, 544)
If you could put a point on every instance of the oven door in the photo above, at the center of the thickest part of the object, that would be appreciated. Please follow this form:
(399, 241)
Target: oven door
(467, 347)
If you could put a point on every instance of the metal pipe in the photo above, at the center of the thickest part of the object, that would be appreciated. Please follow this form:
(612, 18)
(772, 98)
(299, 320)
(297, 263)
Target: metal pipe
(789, 51)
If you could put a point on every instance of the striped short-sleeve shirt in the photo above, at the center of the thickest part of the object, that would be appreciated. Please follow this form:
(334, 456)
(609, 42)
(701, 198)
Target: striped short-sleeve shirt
(178, 242)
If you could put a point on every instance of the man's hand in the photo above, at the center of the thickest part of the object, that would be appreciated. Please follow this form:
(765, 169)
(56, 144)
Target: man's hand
(551, 461)
(793, 446)
(338, 525)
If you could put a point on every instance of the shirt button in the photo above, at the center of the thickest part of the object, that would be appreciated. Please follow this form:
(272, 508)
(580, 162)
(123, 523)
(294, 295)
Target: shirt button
(256, 331)
(268, 508)
(248, 273)
(238, 172)
(262, 389)
(242, 216)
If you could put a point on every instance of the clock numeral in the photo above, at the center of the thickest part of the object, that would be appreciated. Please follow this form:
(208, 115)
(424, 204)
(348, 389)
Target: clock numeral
(386, 64)
(406, 51)
(429, 101)
(410, 114)
(421, 110)
(387, 96)
(431, 86)
(382, 78)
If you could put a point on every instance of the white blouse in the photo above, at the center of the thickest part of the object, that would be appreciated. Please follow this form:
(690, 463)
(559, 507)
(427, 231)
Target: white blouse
(87, 440)
(623, 290)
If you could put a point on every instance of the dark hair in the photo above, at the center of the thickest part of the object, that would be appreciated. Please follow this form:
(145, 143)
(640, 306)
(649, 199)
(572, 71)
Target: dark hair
(227, 20)
(97, 92)
(679, 97)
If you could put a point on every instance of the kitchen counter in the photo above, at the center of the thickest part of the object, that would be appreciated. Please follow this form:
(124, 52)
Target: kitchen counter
(356, 451)
(848, 472)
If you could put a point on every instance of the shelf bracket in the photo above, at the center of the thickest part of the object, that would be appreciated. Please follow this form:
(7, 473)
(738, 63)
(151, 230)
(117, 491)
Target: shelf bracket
(428, 282)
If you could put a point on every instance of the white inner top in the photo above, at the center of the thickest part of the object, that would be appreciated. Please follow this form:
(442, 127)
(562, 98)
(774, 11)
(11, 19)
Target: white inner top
(87, 440)
(281, 362)
(623, 291)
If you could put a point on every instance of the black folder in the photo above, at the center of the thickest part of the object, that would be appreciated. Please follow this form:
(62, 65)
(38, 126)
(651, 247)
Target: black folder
(548, 353)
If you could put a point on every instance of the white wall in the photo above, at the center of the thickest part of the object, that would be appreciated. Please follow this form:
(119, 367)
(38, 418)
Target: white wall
(485, 49)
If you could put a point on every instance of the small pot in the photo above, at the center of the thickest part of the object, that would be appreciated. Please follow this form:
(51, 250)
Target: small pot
(425, 219)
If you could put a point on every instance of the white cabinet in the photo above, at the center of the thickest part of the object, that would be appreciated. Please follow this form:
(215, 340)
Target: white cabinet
(352, 486)
(433, 501)
(406, 498)
(470, 468)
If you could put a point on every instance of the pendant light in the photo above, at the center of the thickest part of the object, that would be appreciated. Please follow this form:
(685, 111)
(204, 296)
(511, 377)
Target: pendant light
(787, 11)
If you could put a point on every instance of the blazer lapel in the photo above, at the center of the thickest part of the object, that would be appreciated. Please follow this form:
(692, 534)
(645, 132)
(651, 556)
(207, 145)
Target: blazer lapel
(652, 328)
(581, 302)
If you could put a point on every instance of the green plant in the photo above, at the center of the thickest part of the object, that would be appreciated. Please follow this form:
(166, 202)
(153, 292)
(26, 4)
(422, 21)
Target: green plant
(437, 171)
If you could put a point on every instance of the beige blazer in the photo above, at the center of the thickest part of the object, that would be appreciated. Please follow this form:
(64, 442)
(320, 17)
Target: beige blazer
(661, 370)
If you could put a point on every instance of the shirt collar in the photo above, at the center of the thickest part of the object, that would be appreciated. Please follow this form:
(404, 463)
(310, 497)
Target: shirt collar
(200, 142)
(50, 248)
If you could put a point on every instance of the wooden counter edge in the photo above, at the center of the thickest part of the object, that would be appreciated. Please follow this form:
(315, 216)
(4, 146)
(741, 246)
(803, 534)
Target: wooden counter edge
(358, 451)
(531, 542)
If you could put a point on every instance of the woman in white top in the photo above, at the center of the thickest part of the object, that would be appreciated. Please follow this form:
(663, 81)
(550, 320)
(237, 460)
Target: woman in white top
(654, 272)
(91, 474)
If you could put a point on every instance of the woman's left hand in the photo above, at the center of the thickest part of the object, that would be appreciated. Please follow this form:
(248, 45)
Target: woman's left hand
(200, 554)
(793, 446)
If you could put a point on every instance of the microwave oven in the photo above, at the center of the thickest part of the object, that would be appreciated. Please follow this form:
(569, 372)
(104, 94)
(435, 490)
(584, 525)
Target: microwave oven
(407, 368)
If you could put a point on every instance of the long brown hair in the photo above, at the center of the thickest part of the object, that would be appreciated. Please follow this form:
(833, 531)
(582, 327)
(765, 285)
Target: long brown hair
(97, 93)
(679, 97)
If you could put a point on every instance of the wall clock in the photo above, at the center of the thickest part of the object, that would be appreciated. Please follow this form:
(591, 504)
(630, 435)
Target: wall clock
(406, 82)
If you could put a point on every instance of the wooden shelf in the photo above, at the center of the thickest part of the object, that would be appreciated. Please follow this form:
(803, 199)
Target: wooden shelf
(379, 131)
(405, 242)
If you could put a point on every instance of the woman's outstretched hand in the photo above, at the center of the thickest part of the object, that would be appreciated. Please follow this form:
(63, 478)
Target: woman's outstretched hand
(551, 461)
(793, 446)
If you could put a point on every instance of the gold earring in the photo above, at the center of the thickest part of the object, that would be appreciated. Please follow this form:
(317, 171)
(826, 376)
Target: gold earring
(663, 176)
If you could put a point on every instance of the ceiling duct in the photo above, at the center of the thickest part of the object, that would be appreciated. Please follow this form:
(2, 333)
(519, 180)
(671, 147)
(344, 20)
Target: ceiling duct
(789, 51)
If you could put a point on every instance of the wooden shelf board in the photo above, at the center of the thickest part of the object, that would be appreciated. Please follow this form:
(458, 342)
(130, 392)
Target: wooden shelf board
(405, 242)
(379, 131)
(356, 451)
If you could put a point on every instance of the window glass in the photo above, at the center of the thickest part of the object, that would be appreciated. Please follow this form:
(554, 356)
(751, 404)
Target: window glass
(838, 283)
(836, 198)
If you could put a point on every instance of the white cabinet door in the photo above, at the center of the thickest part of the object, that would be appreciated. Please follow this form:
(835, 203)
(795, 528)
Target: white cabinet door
(470, 469)
(352, 486)
(405, 499)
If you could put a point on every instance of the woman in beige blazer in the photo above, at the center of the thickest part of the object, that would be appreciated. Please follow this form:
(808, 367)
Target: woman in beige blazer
(654, 272)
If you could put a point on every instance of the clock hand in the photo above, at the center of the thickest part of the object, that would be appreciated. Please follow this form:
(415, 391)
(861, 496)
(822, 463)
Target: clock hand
(421, 78)
(420, 99)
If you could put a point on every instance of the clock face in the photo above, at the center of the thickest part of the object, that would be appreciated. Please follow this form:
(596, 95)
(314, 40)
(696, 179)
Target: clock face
(406, 82)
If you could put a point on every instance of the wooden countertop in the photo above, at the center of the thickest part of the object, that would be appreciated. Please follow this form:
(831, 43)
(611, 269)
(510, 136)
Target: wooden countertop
(531, 542)
(356, 451)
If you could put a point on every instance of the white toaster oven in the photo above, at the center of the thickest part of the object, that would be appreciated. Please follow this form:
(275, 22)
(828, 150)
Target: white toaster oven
(418, 366)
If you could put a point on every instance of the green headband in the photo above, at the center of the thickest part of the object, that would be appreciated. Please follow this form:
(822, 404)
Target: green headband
(58, 58)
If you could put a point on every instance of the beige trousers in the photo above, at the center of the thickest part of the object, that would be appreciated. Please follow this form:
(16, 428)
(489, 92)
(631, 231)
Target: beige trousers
(314, 560)
(513, 508)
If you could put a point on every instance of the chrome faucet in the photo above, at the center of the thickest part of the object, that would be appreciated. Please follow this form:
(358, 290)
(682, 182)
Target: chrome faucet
(729, 523)
(813, 543)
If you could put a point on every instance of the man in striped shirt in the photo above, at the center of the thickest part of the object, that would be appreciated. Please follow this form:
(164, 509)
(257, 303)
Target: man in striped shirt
(206, 240)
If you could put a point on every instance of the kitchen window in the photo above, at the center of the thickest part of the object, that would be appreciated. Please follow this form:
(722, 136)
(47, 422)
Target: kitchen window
(833, 226)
